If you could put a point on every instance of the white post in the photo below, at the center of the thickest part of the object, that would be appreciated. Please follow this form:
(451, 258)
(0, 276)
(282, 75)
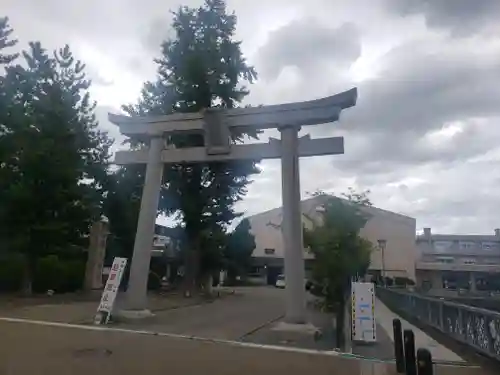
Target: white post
(139, 271)
(292, 227)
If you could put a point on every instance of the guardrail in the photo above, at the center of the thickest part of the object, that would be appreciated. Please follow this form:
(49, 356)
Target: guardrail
(475, 327)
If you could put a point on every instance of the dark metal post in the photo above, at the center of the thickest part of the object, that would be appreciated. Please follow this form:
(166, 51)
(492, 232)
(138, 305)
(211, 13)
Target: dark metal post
(410, 361)
(424, 362)
(398, 346)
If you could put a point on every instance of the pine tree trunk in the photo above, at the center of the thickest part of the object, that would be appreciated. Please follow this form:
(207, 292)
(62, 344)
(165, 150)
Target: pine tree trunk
(29, 269)
(192, 266)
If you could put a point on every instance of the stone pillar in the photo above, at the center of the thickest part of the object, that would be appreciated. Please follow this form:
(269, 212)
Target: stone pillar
(136, 298)
(292, 227)
(96, 253)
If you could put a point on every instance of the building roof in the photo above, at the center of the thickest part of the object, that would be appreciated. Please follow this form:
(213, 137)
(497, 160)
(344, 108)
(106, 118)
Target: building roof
(309, 205)
(459, 237)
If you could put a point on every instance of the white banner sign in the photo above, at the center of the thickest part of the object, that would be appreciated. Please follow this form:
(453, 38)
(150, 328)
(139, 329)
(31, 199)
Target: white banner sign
(111, 289)
(363, 312)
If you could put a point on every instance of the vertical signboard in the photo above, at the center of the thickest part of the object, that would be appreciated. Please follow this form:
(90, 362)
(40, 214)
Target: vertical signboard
(363, 312)
(110, 291)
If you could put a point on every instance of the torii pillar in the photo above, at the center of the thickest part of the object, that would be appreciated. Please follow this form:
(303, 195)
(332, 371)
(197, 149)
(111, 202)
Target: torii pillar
(215, 125)
(292, 226)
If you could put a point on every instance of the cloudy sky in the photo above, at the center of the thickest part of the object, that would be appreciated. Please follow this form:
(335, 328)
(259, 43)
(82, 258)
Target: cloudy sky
(424, 136)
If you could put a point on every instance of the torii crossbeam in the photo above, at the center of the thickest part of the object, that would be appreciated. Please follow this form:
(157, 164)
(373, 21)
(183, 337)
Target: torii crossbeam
(216, 126)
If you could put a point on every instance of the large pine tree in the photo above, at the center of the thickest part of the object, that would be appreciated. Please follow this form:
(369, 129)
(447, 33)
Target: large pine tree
(201, 67)
(54, 158)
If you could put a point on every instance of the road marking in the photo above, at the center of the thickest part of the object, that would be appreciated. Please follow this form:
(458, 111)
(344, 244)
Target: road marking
(169, 335)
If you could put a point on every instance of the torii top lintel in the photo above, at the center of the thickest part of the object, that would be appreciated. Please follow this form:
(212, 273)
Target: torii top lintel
(312, 112)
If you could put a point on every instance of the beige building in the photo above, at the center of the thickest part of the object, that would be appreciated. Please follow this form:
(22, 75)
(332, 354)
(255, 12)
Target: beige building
(448, 264)
(392, 234)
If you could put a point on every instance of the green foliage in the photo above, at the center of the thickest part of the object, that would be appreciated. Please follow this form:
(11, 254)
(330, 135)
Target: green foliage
(340, 253)
(61, 276)
(6, 42)
(238, 254)
(53, 157)
(11, 272)
(121, 207)
(49, 274)
(202, 66)
(74, 275)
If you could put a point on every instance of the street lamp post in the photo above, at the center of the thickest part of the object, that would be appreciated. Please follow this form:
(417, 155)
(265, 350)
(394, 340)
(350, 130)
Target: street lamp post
(381, 245)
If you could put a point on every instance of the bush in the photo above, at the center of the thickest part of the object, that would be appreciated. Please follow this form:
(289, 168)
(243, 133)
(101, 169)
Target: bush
(49, 274)
(74, 274)
(58, 275)
(11, 273)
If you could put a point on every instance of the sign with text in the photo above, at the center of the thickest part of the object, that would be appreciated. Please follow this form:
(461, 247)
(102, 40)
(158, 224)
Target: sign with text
(363, 312)
(110, 290)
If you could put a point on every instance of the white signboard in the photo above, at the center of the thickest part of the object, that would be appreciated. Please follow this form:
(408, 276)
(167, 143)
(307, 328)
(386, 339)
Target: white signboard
(363, 312)
(110, 290)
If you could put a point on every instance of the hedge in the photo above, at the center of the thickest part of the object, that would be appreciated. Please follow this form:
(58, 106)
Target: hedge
(50, 272)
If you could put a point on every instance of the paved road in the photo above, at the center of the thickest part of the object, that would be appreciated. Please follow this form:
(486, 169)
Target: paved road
(45, 350)
(36, 349)
(229, 318)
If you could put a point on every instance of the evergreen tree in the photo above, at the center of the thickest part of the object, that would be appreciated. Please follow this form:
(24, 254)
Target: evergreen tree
(53, 156)
(6, 42)
(201, 67)
(240, 246)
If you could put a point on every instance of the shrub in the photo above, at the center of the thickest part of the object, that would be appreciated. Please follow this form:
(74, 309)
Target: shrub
(11, 272)
(49, 274)
(74, 274)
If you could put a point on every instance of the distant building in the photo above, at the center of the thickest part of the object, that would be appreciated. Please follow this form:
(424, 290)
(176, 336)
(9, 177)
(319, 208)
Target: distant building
(393, 232)
(451, 263)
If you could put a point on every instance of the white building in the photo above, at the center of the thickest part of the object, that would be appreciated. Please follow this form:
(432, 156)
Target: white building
(393, 232)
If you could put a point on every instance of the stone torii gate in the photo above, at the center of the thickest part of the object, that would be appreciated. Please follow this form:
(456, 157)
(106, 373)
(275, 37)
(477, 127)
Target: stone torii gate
(215, 125)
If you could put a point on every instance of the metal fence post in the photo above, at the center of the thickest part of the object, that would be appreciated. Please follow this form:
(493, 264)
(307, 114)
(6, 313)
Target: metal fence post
(398, 346)
(441, 317)
(424, 362)
(410, 361)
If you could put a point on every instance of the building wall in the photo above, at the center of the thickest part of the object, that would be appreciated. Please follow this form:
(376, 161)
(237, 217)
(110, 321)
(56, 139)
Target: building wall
(397, 230)
(474, 260)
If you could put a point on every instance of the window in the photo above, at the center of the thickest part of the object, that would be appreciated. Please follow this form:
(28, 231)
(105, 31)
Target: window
(269, 251)
(442, 246)
(444, 260)
(489, 245)
(469, 261)
(466, 245)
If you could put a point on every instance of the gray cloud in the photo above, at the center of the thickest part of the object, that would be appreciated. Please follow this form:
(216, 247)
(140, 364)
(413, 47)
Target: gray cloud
(421, 81)
(418, 93)
(461, 17)
(308, 45)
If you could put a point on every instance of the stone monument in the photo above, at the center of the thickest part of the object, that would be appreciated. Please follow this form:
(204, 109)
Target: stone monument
(215, 125)
(97, 250)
